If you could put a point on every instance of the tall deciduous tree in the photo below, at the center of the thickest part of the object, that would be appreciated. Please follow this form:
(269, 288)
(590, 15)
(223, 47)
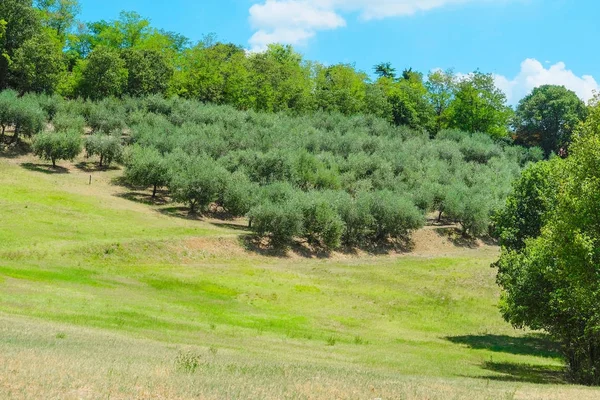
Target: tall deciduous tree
(341, 88)
(59, 15)
(441, 88)
(553, 282)
(22, 24)
(548, 117)
(104, 74)
(479, 106)
(38, 64)
(149, 72)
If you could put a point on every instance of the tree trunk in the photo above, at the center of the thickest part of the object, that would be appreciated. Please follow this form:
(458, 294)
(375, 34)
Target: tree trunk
(101, 160)
(154, 192)
(439, 220)
(53, 162)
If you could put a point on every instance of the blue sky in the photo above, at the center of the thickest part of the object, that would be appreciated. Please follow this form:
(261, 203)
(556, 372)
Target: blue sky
(525, 43)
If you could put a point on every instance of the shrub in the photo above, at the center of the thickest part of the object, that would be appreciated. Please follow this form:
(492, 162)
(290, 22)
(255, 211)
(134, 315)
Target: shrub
(57, 146)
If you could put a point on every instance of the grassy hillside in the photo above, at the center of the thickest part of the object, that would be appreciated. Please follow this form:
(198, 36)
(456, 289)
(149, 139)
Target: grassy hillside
(105, 297)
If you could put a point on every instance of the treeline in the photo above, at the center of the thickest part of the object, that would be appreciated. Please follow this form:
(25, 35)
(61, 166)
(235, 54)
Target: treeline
(45, 50)
(325, 178)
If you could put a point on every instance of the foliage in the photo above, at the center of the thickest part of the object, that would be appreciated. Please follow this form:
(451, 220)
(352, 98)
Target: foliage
(149, 72)
(239, 195)
(57, 146)
(552, 283)
(147, 167)
(279, 222)
(479, 106)
(63, 122)
(533, 198)
(195, 181)
(548, 117)
(107, 147)
(321, 224)
(104, 74)
(21, 24)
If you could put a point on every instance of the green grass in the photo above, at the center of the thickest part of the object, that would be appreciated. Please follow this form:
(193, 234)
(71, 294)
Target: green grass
(101, 296)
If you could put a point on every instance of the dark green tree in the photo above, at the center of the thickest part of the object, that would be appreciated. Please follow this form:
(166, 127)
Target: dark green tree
(385, 70)
(37, 66)
(104, 74)
(548, 117)
(479, 106)
(552, 283)
(22, 23)
(149, 72)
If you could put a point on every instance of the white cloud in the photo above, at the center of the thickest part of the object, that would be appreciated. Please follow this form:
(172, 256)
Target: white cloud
(533, 74)
(295, 21)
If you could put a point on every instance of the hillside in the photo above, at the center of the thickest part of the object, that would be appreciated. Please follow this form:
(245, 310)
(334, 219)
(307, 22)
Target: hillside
(102, 296)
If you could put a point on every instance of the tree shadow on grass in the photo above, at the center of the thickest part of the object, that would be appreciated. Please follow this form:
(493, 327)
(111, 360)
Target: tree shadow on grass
(145, 198)
(94, 167)
(14, 150)
(231, 225)
(513, 372)
(45, 169)
(262, 246)
(531, 345)
(458, 238)
(181, 212)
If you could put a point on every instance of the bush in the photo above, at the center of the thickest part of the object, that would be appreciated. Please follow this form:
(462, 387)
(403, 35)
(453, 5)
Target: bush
(57, 146)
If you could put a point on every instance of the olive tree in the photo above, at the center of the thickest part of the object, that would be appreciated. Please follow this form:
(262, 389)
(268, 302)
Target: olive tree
(107, 147)
(196, 181)
(57, 146)
(146, 167)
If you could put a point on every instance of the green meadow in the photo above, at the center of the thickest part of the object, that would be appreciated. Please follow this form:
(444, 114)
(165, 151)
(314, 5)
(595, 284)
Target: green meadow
(105, 297)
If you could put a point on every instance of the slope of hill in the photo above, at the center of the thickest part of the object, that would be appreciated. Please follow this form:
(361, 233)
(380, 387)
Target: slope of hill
(105, 297)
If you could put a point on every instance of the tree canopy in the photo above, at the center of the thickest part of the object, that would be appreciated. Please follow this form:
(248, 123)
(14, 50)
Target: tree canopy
(548, 117)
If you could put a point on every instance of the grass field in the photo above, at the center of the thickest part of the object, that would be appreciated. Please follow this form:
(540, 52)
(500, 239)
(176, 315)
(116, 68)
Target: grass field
(102, 297)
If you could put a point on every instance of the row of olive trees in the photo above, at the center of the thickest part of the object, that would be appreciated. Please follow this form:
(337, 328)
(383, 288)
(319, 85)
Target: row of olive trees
(229, 158)
(278, 211)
